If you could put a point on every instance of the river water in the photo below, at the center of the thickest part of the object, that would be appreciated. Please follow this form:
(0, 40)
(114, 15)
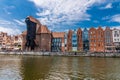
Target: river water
(14, 67)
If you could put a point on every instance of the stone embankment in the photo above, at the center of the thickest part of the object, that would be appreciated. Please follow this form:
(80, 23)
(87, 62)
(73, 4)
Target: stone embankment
(85, 54)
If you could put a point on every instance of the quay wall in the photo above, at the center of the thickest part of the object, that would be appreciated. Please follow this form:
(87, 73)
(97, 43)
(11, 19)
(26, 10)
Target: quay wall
(85, 54)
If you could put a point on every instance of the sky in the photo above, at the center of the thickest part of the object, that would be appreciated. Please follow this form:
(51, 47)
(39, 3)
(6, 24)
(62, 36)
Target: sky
(59, 15)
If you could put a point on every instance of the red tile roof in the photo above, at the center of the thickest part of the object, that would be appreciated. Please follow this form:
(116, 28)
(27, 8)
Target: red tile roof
(44, 29)
(34, 20)
(58, 34)
(40, 28)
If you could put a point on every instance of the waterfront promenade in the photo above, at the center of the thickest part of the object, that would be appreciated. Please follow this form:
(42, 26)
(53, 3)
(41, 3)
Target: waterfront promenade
(84, 54)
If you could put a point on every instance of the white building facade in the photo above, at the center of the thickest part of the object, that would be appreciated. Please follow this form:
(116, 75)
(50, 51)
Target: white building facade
(116, 39)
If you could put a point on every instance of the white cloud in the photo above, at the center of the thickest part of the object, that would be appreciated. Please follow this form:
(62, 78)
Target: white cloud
(117, 27)
(3, 22)
(115, 18)
(52, 12)
(108, 6)
(9, 27)
(20, 22)
(111, 27)
(104, 27)
(10, 31)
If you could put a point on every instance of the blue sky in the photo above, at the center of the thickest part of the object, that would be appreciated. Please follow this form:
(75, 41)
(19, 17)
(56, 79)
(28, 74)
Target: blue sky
(59, 15)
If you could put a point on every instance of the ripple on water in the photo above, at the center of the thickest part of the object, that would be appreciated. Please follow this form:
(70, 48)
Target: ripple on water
(9, 74)
(59, 68)
(9, 68)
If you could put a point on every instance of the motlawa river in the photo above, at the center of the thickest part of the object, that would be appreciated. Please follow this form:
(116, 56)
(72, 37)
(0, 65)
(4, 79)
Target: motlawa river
(16, 67)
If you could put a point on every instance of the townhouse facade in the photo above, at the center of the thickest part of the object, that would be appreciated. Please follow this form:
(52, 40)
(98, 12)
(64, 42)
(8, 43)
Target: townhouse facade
(2, 34)
(109, 46)
(8, 42)
(79, 40)
(85, 39)
(92, 40)
(96, 37)
(17, 42)
(116, 39)
(74, 40)
(58, 42)
(69, 40)
(45, 40)
(100, 40)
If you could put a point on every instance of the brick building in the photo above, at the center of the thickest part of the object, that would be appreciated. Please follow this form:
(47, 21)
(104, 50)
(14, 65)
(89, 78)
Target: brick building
(96, 37)
(74, 40)
(45, 39)
(100, 40)
(58, 41)
(92, 39)
(79, 40)
(69, 40)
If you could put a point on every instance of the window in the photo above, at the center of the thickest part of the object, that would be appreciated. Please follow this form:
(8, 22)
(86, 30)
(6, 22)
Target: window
(90, 44)
(99, 45)
(60, 40)
(74, 45)
(91, 32)
(116, 34)
(94, 44)
(74, 40)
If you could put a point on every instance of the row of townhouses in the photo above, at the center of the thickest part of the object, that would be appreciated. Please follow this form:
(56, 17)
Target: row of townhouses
(8, 43)
(92, 40)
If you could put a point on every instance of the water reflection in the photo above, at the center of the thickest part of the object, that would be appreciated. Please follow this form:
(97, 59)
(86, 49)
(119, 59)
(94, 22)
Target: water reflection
(35, 68)
(58, 68)
(10, 67)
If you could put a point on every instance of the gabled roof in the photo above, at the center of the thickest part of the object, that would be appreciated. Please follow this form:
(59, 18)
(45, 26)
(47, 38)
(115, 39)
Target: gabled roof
(34, 20)
(40, 28)
(58, 34)
(43, 29)
(107, 28)
(100, 28)
(92, 29)
(70, 31)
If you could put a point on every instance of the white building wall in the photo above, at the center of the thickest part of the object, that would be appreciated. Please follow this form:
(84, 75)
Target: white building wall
(116, 35)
